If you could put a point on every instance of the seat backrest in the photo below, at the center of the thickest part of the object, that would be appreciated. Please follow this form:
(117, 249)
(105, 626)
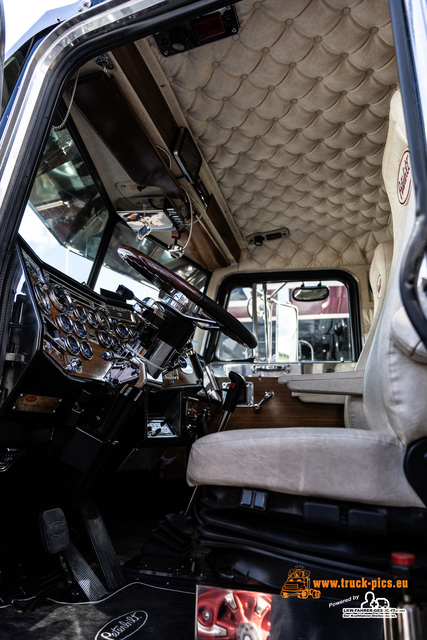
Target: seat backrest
(379, 274)
(354, 415)
(387, 255)
(396, 370)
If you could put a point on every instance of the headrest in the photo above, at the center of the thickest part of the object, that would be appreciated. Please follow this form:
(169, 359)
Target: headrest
(396, 167)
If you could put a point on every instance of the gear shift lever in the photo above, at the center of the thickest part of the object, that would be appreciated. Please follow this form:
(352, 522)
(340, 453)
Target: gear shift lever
(237, 384)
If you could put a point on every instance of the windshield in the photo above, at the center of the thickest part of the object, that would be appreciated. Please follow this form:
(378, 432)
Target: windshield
(114, 271)
(66, 219)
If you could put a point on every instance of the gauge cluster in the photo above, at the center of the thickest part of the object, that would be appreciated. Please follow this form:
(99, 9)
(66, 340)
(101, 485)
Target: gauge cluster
(78, 327)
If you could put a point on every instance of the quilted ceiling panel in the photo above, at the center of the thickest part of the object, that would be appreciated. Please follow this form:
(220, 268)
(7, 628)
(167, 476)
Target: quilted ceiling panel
(291, 115)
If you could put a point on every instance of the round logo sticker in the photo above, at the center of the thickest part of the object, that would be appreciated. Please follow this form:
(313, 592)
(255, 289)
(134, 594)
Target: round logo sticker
(404, 178)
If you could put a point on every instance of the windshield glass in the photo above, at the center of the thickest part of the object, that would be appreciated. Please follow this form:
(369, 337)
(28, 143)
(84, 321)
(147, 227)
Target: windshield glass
(66, 218)
(115, 271)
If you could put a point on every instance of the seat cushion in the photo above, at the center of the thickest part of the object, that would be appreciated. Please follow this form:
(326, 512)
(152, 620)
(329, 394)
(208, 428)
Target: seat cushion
(342, 464)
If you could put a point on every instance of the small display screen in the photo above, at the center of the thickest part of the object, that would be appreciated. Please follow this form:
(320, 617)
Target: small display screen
(187, 156)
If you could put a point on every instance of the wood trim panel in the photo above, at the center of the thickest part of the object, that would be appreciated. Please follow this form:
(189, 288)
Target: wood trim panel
(125, 137)
(283, 410)
(148, 91)
(217, 217)
(205, 249)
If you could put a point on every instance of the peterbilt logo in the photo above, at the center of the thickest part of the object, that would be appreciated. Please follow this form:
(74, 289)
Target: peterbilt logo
(123, 627)
(404, 178)
(58, 528)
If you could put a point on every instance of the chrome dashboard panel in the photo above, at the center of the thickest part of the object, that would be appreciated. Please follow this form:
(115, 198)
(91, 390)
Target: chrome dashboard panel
(78, 326)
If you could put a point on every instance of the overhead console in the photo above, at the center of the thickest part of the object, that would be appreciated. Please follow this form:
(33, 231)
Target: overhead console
(148, 165)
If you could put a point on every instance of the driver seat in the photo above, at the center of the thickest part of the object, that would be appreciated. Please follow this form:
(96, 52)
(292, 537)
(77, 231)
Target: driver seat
(369, 466)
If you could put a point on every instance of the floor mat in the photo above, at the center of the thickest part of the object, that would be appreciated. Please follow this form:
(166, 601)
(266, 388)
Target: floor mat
(137, 610)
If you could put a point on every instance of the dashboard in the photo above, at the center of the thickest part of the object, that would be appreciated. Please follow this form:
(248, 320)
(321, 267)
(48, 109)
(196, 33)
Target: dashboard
(87, 373)
(81, 334)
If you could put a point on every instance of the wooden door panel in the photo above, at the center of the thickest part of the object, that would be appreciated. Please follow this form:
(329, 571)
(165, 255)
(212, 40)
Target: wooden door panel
(283, 410)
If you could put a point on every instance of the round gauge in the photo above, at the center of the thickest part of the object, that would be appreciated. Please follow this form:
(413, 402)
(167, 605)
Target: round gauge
(79, 329)
(103, 319)
(73, 345)
(31, 268)
(115, 344)
(122, 330)
(64, 323)
(86, 350)
(92, 319)
(133, 333)
(104, 338)
(80, 313)
(42, 298)
(60, 298)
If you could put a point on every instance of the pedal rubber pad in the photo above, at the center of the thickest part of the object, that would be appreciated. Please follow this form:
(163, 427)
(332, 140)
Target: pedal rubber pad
(54, 531)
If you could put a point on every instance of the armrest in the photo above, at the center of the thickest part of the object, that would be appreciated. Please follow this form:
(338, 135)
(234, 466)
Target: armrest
(346, 383)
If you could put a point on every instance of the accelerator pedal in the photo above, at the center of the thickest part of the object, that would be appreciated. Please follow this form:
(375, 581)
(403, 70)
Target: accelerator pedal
(56, 541)
(107, 558)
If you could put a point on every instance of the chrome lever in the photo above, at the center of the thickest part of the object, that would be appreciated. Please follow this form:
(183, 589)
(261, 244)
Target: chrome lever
(267, 396)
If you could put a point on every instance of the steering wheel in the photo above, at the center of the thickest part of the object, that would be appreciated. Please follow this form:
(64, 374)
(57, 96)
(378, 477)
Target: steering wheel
(165, 279)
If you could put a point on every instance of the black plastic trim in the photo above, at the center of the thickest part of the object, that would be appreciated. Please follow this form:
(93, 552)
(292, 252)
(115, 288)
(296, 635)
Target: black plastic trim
(415, 467)
(415, 129)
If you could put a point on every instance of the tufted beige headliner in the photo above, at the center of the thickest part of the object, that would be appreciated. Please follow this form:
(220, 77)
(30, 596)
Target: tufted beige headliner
(291, 116)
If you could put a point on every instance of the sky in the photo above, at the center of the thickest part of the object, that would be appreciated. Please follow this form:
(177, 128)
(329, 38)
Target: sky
(21, 14)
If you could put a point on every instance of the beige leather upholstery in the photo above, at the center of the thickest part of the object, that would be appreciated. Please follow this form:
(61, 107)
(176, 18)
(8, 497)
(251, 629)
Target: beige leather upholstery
(379, 275)
(347, 380)
(350, 382)
(292, 119)
(348, 464)
(385, 255)
(402, 213)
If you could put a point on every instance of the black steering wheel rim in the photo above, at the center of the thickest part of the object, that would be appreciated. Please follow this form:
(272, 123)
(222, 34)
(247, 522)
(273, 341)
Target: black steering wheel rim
(165, 279)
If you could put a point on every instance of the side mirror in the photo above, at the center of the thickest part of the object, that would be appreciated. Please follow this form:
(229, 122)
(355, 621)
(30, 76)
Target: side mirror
(287, 333)
(310, 294)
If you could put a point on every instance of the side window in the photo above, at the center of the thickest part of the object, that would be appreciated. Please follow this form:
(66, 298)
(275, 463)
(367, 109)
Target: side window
(294, 321)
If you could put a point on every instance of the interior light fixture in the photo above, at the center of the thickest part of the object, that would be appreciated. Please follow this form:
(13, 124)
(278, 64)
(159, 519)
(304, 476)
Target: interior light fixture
(260, 237)
(197, 30)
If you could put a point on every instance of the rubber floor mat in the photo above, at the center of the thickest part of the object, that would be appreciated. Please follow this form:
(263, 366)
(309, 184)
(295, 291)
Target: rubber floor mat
(137, 610)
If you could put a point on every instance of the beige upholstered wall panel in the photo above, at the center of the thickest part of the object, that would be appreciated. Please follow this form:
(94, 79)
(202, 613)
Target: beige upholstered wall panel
(292, 115)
